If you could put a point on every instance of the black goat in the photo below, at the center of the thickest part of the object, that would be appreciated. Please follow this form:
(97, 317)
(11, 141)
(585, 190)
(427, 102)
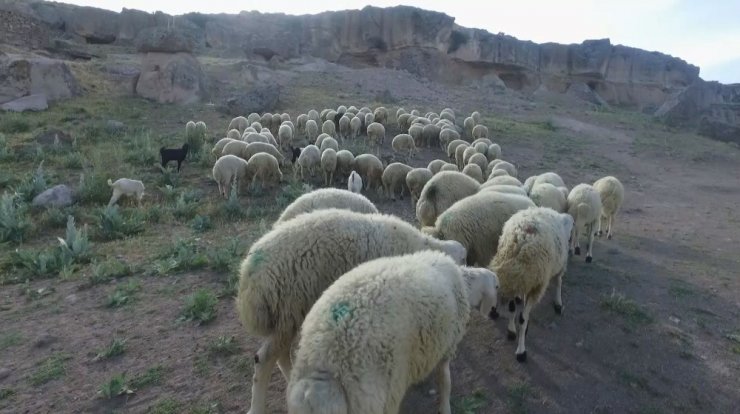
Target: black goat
(296, 153)
(174, 154)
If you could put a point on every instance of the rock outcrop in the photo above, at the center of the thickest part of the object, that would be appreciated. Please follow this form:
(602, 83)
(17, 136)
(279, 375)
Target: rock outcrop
(22, 76)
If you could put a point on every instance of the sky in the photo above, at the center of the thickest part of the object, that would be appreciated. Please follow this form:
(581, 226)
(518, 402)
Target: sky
(705, 33)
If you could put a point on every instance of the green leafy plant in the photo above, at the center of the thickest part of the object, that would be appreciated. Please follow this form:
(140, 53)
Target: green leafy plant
(115, 386)
(112, 224)
(14, 223)
(200, 306)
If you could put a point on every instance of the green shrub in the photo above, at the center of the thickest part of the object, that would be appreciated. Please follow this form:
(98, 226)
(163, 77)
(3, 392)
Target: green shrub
(141, 151)
(75, 243)
(113, 225)
(93, 188)
(105, 271)
(183, 255)
(200, 306)
(73, 160)
(5, 151)
(186, 205)
(14, 124)
(114, 387)
(201, 223)
(232, 209)
(33, 184)
(14, 223)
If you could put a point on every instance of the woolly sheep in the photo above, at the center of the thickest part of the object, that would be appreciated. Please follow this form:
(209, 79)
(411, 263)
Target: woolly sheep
(430, 135)
(356, 336)
(370, 169)
(285, 133)
(477, 221)
(287, 269)
(533, 249)
(404, 121)
(584, 205)
(449, 167)
(493, 163)
(368, 119)
(415, 131)
(255, 137)
(344, 128)
(611, 192)
(253, 117)
(548, 177)
(329, 128)
(480, 131)
(415, 181)
(480, 160)
(448, 115)
(265, 168)
(469, 152)
(493, 152)
(503, 188)
(400, 111)
(503, 180)
(247, 131)
(226, 170)
(460, 155)
(266, 120)
(452, 146)
(403, 143)
(329, 142)
(341, 109)
(504, 165)
(239, 123)
(275, 123)
(547, 195)
(234, 134)
(314, 116)
(330, 117)
(126, 187)
(375, 136)
(394, 176)
(473, 171)
(328, 165)
(442, 191)
(476, 117)
(284, 117)
(354, 182)
(355, 125)
(322, 116)
(257, 147)
(381, 115)
(482, 148)
(266, 133)
(415, 112)
(219, 146)
(446, 136)
(236, 148)
(201, 132)
(312, 130)
(468, 125)
(320, 139)
(256, 125)
(479, 140)
(300, 124)
(309, 159)
(435, 165)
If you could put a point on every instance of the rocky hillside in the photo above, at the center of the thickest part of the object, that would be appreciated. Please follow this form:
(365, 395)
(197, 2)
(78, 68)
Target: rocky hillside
(425, 43)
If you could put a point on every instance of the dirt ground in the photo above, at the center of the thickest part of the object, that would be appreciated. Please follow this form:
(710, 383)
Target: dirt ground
(651, 326)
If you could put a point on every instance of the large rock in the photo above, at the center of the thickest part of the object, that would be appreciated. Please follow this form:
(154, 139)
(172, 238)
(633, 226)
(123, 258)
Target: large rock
(57, 196)
(164, 40)
(260, 98)
(92, 24)
(22, 76)
(171, 78)
(20, 29)
(36, 102)
(53, 137)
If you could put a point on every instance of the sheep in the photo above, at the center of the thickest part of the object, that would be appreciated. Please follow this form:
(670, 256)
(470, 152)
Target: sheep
(329, 142)
(234, 134)
(476, 117)
(370, 169)
(416, 134)
(367, 120)
(509, 167)
(375, 136)
(328, 165)
(469, 151)
(477, 221)
(284, 117)
(322, 116)
(255, 137)
(219, 146)
(442, 191)
(479, 140)
(266, 133)
(266, 120)
(480, 131)
(314, 116)
(275, 123)
(435, 165)
(328, 128)
(415, 112)
(355, 124)
(532, 249)
(309, 158)
(253, 117)
(547, 195)
(380, 115)
(239, 123)
(480, 160)
(493, 152)
(287, 269)
(256, 147)
(256, 126)
(300, 123)
(403, 143)
(482, 148)
(174, 154)
(548, 177)
(416, 179)
(493, 163)
(611, 192)
(344, 128)
(404, 122)
(234, 148)
(452, 146)
(449, 167)
(312, 130)
(265, 167)
(468, 125)
(126, 187)
(473, 171)
(320, 139)
(430, 135)
(400, 111)
(394, 176)
(499, 173)
(345, 162)
(584, 205)
(446, 136)
(229, 169)
(460, 155)
(503, 180)
(503, 188)
(285, 134)
(356, 336)
(341, 109)
(447, 115)
(354, 182)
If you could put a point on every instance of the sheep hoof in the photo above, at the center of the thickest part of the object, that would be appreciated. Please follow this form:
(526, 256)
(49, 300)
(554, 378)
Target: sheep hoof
(510, 335)
(522, 357)
(609, 237)
(589, 259)
(570, 252)
(578, 251)
(493, 314)
(558, 310)
(521, 319)
(512, 306)
(256, 359)
(600, 233)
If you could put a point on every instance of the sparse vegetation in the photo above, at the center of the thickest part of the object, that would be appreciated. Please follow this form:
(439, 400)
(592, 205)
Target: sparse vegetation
(14, 224)
(626, 308)
(200, 306)
(223, 345)
(115, 348)
(153, 376)
(112, 224)
(9, 340)
(49, 369)
(517, 397)
(469, 404)
(123, 294)
(115, 386)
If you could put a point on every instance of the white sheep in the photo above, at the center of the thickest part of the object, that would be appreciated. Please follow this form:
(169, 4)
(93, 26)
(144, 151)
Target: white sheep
(275, 123)
(469, 152)
(126, 187)
(375, 135)
(477, 221)
(255, 137)
(460, 155)
(415, 132)
(480, 160)
(533, 249)
(505, 165)
(452, 146)
(416, 179)
(219, 146)
(404, 143)
(548, 177)
(345, 163)
(325, 198)
(404, 122)
(482, 148)
(447, 135)
(476, 117)
(328, 142)
(473, 171)
(354, 182)
(257, 147)
(480, 131)
(320, 139)
(547, 195)
(356, 353)
(430, 135)
(328, 165)
(493, 152)
(380, 114)
(314, 116)
(329, 128)
(266, 120)
(227, 169)
(468, 125)
(442, 191)
(449, 167)
(504, 188)
(355, 125)
(435, 165)
(265, 168)
(368, 119)
(309, 159)
(611, 192)
(284, 117)
(502, 180)
(400, 111)
(285, 134)
(344, 128)
(234, 134)
(584, 205)
(370, 169)
(287, 269)
(312, 130)
(394, 177)
(253, 117)
(239, 123)
(234, 148)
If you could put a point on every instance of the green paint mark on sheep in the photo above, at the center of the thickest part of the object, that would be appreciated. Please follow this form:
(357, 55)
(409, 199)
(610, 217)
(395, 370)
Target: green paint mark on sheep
(341, 310)
(256, 258)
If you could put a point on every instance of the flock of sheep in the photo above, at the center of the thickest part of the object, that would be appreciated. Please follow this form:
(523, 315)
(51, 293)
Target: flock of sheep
(355, 306)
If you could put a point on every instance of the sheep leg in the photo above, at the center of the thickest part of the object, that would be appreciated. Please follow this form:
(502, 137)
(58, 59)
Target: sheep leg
(572, 240)
(284, 363)
(511, 329)
(576, 243)
(609, 228)
(598, 231)
(114, 198)
(589, 257)
(521, 351)
(559, 292)
(220, 189)
(264, 364)
(444, 384)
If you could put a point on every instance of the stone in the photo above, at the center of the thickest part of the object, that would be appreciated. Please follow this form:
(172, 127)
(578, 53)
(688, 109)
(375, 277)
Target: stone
(44, 340)
(164, 40)
(35, 102)
(583, 92)
(53, 136)
(171, 78)
(114, 127)
(260, 98)
(24, 76)
(57, 196)
(4, 373)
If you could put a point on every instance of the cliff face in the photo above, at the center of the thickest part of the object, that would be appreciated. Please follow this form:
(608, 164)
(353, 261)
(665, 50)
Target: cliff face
(427, 43)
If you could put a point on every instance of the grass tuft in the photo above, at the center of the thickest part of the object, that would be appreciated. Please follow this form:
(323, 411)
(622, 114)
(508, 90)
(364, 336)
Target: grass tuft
(632, 313)
(114, 387)
(200, 306)
(49, 369)
(115, 348)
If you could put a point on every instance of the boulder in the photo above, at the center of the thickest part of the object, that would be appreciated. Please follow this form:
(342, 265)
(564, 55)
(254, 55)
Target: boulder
(24, 76)
(53, 136)
(57, 196)
(94, 25)
(171, 78)
(114, 127)
(583, 92)
(164, 40)
(35, 102)
(260, 98)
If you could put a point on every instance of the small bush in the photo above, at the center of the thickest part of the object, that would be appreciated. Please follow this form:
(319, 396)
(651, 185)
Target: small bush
(108, 270)
(93, 188)
(223, 345)
(201, 223)
(141, 151)
(200, 306)
(186, 206)
(116, 386)
(14, 223)
(183, 255)
(152, 376)
(55, 217)
(32, 185)
(113, 225)
(115, 348)
(5, 151)
(154, 213)
(75, 243)
(49, 369)
(169, 178)
(73, 160)
(123, 294)
(44, 263)
(6, 393)
(14, 124)
(232, 208)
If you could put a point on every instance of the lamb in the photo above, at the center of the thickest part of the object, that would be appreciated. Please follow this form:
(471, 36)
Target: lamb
(329, 142)
(449, 167)
(355, 125)
(611, 192)
(354, 182)
(504, 165)
(416, 179)
(329, 128)
(227, 170)
(480, 131)
(312, 130)
(325, 198)
(547, 195)
(345, 162)
(480, 160)
(329, 165)
(219, 147)
(265, 167)
(477, 221)
(126, 187)
(287, 269)
(309, 158)
(473, 171)
(452, 147)
(394, 176)
(460, 155)
(370, 169)
(239, 123)
(584, 205)
(468, 125)
(436, 165)
(344, 128)
(381, 115)
(368, 347)
(446, 136)
(533, 249)
(415, 131)
(375, 136)
(403, 143)
(442, 191)
(174, 154)
(430, 135)
(234, 134)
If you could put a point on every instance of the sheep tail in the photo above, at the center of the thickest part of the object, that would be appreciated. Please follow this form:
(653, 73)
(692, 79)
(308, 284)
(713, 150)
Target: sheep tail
(110, 182)
(317, 393)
